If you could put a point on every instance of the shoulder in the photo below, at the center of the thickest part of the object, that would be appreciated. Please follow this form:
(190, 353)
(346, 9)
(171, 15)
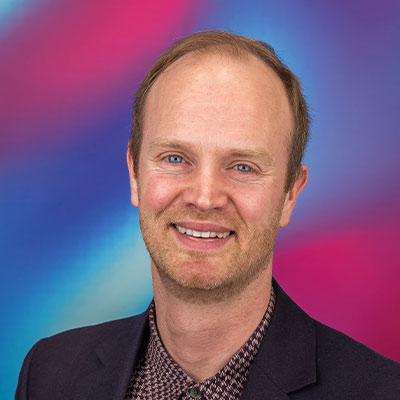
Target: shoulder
(322, 362)
(342, 359)
(66, 357)
(336, 347)
(88, 337)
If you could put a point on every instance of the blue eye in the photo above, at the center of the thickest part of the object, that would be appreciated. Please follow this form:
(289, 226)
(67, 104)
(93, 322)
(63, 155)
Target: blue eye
(243, 168)
(174, 159)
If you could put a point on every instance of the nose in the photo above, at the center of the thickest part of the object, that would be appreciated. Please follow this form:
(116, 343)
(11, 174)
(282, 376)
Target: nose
(206, 190)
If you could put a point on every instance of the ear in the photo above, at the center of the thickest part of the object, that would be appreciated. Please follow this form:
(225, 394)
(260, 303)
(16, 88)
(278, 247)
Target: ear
(132, 179)
(292, 195)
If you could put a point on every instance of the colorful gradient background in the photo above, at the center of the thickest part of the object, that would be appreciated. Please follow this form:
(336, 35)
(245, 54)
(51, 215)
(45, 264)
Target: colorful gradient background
(71, 253)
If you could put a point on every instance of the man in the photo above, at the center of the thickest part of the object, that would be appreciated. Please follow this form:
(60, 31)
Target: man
(220, 127)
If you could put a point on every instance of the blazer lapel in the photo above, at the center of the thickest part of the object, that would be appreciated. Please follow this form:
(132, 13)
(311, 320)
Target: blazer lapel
(111, 365)
(286, 360)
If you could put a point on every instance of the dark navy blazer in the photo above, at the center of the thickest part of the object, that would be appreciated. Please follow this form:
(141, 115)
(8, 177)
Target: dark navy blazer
(299, 358)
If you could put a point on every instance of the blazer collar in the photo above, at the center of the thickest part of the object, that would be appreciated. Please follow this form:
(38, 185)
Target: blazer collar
(112, 363)
(286, 360)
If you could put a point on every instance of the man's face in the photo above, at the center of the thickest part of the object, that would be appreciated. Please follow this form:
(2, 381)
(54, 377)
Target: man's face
(212, 171)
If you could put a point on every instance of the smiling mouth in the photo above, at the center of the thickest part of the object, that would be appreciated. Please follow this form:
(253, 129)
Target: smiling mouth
(202, 234)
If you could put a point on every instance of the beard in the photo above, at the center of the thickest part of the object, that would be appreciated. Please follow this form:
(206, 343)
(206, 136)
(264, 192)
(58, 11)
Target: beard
(198, 276)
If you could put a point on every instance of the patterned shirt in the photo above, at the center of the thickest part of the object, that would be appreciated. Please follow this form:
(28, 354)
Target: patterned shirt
(157, 376)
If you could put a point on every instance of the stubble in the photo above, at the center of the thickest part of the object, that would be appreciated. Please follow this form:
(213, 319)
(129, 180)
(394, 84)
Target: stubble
(247, 258)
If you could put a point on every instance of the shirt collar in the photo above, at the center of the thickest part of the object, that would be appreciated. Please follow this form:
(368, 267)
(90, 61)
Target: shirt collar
(233, 374)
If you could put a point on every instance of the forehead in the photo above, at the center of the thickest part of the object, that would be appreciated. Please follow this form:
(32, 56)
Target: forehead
(213, 94)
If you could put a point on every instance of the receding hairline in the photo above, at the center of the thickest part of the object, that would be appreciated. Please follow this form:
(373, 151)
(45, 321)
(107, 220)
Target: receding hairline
(230, 54)
(227, 51)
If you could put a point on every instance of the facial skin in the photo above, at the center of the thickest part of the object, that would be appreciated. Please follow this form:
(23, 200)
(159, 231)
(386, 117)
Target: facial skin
(214, 159)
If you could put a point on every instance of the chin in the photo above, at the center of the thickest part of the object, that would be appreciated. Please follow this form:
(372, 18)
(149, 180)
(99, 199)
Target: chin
(196, 275)
(199, 278)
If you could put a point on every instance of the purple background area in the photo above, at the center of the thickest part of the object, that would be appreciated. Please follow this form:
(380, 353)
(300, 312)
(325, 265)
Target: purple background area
(70, 248)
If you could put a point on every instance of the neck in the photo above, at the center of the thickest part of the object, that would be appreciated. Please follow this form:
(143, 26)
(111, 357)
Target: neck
(202, 338)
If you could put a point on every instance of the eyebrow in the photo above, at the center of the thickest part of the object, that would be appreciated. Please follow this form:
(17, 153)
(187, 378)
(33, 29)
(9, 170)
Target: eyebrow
(244, 153)
(164, 142)
(235, 152)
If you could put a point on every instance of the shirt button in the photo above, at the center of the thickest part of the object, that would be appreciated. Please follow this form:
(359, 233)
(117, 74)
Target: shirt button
(195, 393)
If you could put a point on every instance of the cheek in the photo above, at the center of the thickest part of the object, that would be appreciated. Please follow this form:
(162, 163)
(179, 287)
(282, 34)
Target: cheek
(256, 205)
(158, 192)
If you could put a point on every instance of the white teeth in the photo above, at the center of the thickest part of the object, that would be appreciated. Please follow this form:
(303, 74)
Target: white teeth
(206, 234)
